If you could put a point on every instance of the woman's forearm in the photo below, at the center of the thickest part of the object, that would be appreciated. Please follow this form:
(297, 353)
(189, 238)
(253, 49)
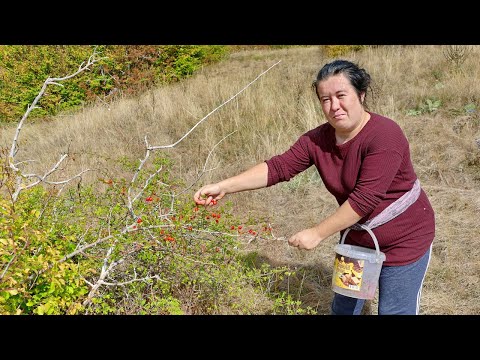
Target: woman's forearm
(253, 178)
(341, 219)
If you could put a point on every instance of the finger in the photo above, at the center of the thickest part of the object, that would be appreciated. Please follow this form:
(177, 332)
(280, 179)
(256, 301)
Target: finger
(198, 200)
(202, 197)
(212, 200)
(292, 241)
(208, 201)
(196, 196)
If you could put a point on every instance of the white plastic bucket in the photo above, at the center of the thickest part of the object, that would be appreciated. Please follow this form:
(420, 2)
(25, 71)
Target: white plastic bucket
(356, 269)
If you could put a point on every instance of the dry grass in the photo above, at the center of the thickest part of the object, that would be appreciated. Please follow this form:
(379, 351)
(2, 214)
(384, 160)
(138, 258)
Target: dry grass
(268, 117)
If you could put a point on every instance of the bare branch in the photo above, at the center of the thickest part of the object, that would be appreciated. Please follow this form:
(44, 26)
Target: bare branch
(151, 147)
(206, 161)
(134, 178)
(211, 112)
(133, 280)
(14, 148)
(43, 178)
(104, 272)
(130, 198)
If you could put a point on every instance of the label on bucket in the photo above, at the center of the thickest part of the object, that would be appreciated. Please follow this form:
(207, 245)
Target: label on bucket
(348, 272)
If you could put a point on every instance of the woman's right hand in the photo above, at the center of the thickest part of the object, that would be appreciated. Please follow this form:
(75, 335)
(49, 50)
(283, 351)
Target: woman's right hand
(208, 195)
(254, 178)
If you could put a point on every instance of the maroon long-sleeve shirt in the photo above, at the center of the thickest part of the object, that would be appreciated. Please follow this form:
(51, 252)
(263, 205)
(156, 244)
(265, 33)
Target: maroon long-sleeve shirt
(370, 171)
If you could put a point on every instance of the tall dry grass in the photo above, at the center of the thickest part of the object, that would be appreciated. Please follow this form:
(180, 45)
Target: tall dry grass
(268, 117)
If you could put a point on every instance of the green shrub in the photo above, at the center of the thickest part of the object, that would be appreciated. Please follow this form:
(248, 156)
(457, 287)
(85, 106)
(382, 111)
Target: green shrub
(126, 70)
(162, 255)
(335, 51)
(27, 251)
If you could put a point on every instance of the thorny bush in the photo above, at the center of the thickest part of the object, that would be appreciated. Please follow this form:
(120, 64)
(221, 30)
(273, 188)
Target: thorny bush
(82, 251)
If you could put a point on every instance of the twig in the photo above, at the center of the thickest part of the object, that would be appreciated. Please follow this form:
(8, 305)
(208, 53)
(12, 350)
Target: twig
(211, 112)
(14, 148)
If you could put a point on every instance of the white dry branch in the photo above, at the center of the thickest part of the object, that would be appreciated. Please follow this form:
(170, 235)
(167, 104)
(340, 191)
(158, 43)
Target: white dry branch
(34, 179)
(205, 170)
(150, 148)
(211, 112)
(106, 269)
(131, 200)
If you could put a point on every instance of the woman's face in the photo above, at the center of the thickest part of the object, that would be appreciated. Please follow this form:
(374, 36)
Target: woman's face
(340, 103)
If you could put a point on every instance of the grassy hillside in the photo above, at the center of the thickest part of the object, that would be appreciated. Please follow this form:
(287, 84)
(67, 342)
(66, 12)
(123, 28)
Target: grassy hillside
(430, 91)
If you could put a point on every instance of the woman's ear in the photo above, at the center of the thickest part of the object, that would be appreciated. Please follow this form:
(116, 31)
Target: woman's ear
(362, 97)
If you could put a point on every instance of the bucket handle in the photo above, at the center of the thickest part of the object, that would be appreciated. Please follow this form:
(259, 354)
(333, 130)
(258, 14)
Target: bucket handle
(377, 248)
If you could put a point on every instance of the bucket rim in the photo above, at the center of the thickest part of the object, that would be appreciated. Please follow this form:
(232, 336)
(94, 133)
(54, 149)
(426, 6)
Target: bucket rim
(351, 251)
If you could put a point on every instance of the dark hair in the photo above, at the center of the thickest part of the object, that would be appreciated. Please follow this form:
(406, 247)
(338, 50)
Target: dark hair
(358, 77)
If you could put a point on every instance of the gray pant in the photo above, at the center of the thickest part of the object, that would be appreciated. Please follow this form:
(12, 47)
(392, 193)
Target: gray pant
(399, 290)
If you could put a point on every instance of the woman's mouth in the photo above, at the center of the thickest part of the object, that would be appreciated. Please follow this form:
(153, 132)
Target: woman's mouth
(339, 116)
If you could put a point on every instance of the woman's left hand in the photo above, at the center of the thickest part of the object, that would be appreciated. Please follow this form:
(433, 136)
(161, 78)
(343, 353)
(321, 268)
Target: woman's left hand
(306, 239)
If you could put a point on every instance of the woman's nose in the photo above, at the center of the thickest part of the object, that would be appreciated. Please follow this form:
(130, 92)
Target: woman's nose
(335, 104)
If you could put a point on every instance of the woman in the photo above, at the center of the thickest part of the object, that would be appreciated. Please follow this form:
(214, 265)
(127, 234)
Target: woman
(364, 161)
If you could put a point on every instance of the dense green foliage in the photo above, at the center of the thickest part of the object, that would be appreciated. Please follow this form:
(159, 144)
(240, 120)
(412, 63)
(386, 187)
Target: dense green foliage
(126, 70)
(85, 251)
